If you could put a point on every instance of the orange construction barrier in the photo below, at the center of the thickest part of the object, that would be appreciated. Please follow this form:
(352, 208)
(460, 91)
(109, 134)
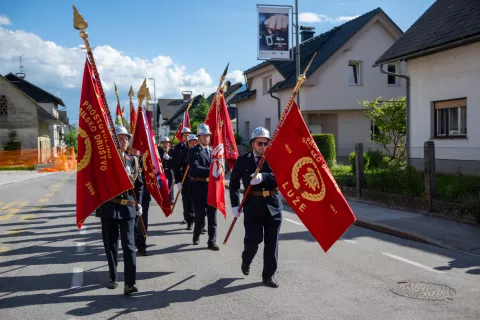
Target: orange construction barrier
(62, 158)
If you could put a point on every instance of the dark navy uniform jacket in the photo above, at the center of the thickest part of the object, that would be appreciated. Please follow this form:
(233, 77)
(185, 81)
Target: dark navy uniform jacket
(178, 149)
(111, 210)
(181, 164)
(199, 163)
(244, 167)
(168, 165)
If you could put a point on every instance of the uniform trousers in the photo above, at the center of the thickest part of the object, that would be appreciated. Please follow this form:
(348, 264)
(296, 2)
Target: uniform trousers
(110, 235)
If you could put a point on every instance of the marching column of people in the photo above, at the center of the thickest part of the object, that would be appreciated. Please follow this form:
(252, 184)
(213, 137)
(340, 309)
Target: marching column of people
(192, 158)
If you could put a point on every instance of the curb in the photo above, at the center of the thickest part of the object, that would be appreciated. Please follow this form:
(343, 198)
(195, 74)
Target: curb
(396, 232)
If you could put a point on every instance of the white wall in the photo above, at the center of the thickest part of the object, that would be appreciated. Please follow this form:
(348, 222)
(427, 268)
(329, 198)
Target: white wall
(445, 75)
(257, 109)
(328, 86)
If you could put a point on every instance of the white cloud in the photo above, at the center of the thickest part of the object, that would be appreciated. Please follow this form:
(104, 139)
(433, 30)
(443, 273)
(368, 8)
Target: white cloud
(310, 17)
(235, 76)
(60, 69)
(4, 20)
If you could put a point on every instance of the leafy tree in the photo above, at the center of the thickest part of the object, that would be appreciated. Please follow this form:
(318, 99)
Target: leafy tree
(12, 143)
(199, 113)
(390, 122)
(70, 139)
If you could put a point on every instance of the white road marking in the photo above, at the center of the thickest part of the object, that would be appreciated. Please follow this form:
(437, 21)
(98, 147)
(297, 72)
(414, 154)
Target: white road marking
(348, 240)
(411, 262)
(77, 278)
(80, 247)
(83, 230)
(293, 221)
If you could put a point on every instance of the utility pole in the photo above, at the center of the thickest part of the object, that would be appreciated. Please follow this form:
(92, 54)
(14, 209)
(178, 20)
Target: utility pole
(297, 51)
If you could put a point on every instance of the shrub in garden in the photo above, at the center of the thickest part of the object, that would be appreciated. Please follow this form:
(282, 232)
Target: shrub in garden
(366, 161)
(376, 159)
(326, 144)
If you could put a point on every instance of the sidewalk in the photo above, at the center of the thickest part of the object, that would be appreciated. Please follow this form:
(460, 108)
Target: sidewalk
(416, 226)
(21, 175)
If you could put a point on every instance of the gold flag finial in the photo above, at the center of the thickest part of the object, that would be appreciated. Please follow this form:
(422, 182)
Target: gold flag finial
(131, 94)
(142, 92)
(78, 22)
(148, 97)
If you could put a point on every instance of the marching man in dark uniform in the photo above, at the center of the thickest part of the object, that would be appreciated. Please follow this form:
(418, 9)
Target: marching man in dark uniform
(186, 187)
(177, 158)
(119, 213)
(199, 159)
(263, 207)
(166, 156)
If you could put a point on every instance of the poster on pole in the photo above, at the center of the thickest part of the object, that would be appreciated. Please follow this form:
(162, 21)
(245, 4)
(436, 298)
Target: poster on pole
(274, 32)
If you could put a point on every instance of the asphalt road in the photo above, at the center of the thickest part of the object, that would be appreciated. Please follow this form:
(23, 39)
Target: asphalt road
(51, 270)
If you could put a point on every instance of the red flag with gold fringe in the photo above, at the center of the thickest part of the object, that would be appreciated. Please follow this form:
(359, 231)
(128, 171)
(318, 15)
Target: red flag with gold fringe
(98, 160)
(306, 182)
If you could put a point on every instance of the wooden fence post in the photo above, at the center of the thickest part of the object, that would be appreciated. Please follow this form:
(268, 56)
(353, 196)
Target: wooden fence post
(429, 174)
(359, 170)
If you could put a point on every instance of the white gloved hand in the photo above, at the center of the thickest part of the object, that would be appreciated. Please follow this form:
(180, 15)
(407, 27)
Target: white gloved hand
(166, 156)
(139, 210)
(236, 212)
(256, 179)
(179, 186)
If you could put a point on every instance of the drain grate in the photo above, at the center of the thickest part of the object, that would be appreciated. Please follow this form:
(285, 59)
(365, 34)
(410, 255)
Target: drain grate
(424, 291)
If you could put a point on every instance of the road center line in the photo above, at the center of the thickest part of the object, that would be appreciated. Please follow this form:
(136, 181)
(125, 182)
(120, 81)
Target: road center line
(293, 221)
(77, 278)
(411, 262)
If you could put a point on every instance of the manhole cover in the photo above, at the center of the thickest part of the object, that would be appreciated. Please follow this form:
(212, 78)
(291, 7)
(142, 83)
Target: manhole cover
(423, 291)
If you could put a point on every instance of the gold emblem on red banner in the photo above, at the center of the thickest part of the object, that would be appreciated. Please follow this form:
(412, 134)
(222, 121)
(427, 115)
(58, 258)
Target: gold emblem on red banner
(307, 179)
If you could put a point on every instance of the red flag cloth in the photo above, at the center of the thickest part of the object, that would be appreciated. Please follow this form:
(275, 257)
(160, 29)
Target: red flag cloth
(230, 145)
(155, 178)
(216, 181)
(306, 182)
(98, 160)
(133, 115)
(184, 124)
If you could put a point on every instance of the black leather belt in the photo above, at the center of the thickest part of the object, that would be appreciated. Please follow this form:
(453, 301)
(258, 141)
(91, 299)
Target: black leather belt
(123, 202)
(199, 179)
(264, 193)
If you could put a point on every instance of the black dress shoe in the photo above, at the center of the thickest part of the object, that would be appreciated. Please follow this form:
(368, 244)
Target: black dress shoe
(183, 222)
(245, 268)
(204, 231)
(196, 241)
(142, 253)
(189, 226)
(213, 246)
(129, 289)
(112, 284)
(271, 282)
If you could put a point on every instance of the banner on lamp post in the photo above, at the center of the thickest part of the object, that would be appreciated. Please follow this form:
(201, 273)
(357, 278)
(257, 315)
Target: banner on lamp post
(274, 32)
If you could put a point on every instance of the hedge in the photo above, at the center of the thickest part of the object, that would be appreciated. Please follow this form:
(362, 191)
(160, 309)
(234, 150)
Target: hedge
(326, 143)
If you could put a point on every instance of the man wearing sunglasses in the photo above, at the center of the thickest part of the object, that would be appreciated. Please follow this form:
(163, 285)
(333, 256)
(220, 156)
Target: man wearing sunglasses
(263, 207)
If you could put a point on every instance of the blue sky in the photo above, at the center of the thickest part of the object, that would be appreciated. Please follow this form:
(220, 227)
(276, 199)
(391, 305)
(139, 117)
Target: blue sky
(194, 40)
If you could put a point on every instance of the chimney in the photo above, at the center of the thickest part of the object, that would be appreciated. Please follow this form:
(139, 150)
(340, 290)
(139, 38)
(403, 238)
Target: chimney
(187, 95)
(306, 33)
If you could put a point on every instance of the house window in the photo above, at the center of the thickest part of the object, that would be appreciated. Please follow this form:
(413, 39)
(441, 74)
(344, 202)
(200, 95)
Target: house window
(267, 84)
(450, 118)
(267, 124)
(354, 74)
(3, 105)
(392, 80)
(247, 129)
